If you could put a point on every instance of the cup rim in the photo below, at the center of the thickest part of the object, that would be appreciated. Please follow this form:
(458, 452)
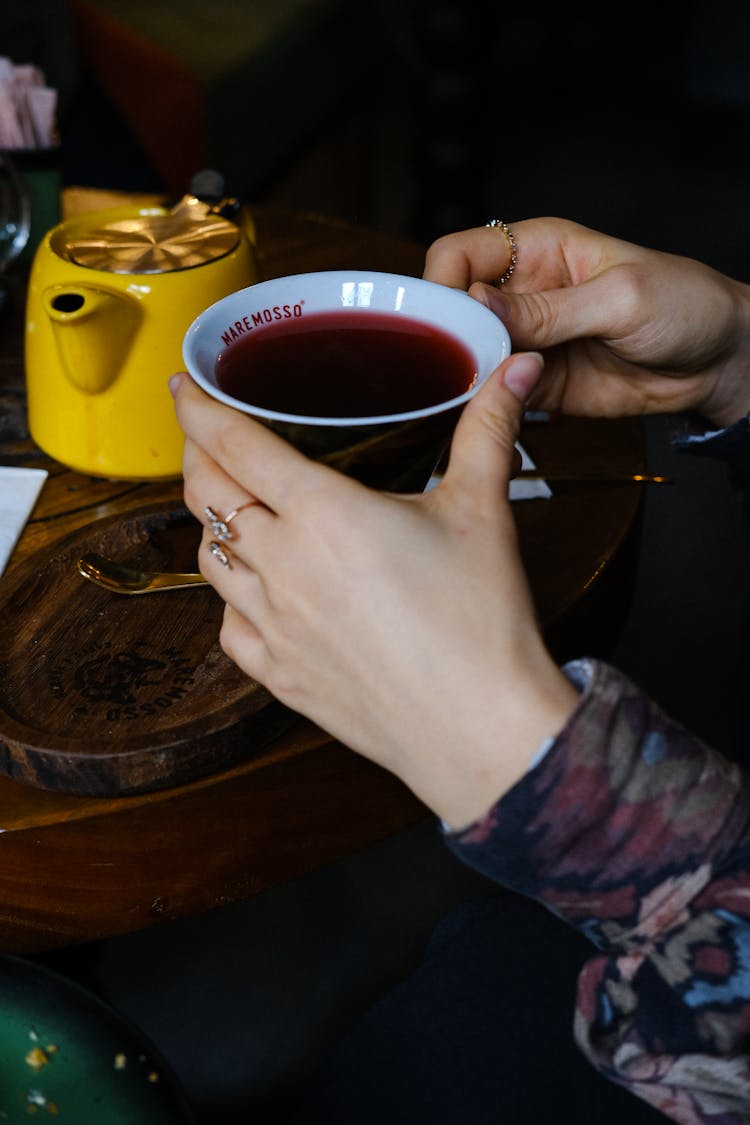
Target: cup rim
(495, 326)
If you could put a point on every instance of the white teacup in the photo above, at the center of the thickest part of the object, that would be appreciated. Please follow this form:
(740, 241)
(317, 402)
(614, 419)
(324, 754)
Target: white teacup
(396, 446)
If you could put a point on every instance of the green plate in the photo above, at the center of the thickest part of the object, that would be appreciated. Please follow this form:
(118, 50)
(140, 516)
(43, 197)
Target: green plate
(65, 1056)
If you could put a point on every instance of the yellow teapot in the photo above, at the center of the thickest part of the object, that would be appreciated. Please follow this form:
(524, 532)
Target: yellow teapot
(111, 295)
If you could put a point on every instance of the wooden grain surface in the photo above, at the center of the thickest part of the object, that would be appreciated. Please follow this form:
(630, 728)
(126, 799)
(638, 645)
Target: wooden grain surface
(106, 694)
(79, 867)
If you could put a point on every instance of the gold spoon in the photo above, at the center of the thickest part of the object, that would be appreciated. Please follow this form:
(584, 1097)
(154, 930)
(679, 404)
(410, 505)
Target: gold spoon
(126, 580)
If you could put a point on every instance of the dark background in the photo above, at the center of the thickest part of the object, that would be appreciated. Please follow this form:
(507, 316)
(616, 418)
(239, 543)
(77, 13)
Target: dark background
(633, 121)
(637, 125)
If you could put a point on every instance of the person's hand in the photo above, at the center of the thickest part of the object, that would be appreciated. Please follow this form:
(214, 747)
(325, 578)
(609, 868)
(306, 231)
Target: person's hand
(624, 330)
(402, 625)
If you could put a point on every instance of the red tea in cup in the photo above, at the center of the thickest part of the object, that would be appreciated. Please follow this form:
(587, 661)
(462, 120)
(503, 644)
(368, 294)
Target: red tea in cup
(346, 364)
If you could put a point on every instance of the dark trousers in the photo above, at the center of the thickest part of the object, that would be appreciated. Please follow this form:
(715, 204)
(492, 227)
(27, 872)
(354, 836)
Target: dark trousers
(481, 1032)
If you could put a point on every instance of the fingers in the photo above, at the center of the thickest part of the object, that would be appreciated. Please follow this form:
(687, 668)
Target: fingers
(569, 282)
(244, 644)
(606, 307)
(234, 581)
(551, 252)
(246, 603)
(247, 452)
(473, 255)
(207, 484)
(482, 458)
(235, 522)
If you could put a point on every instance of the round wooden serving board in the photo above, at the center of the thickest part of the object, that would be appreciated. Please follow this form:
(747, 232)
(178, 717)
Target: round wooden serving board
(105, 694)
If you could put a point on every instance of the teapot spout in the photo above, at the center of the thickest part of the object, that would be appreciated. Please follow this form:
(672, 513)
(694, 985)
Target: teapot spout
(94, 330)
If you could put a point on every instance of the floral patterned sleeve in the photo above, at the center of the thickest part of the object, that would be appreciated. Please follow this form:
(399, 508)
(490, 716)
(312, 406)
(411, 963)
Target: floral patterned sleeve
(639, 835)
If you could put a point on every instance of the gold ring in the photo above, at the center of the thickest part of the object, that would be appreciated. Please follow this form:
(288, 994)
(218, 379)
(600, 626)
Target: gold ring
(219, 525)
(498, 224)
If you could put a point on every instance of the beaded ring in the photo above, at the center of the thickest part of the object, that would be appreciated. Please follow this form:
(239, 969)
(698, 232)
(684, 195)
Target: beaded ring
(498, 224)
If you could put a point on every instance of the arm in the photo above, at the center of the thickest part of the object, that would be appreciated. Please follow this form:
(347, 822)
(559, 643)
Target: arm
(638, 835)
(624, 330)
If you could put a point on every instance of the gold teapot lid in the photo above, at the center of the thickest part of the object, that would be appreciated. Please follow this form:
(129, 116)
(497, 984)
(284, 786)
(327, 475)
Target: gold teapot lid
(189, 235)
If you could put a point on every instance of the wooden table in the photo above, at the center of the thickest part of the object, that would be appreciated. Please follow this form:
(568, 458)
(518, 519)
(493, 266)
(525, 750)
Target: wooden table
(79, 868)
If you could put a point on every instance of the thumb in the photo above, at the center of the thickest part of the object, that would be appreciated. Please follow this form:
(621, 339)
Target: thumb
(542, 319)
(482, 453)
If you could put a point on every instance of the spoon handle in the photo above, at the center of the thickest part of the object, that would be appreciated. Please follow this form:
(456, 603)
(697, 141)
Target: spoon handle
(601, 476)
(123, 580)
(172, 581)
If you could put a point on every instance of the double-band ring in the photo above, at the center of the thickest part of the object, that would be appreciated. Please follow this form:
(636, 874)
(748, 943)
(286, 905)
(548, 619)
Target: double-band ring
(498, 224)
(219, 525)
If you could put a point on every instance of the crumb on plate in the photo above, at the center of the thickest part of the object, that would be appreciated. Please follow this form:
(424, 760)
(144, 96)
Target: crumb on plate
(36, 1058)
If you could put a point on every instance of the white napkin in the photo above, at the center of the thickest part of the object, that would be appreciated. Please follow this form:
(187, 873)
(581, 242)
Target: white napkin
(528, 489)
(28, 107)
(519, 489)
(19, 489)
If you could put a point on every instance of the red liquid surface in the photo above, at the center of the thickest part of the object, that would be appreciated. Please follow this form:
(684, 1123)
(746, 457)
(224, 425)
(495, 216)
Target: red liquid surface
(345, 364)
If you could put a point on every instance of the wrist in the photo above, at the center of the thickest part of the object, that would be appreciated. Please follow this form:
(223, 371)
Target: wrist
(469, 772)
